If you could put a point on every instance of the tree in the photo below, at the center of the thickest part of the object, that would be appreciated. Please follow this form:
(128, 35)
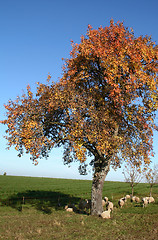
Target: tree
(133, 175)
(103, 106)
(152, 177)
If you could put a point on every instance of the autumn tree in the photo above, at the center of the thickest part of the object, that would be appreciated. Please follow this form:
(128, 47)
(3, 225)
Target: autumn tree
(103, 106)
(152, 177)
(133, 175)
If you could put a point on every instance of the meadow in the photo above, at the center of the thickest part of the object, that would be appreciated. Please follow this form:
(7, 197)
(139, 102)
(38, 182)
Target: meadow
(33, 208)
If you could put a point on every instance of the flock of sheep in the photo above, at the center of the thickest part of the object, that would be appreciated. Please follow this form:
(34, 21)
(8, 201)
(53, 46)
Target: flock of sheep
(86, 204)
(145, 200)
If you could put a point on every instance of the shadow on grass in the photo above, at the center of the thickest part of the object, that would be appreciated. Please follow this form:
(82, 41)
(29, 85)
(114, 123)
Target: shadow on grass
(43, 201)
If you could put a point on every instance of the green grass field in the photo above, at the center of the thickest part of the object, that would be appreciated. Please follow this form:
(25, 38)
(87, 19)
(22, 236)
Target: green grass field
(29, 210)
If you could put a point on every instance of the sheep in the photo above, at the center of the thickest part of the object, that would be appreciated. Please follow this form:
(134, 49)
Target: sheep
(124, 199)
(151, 199)
(106, 199)
(121, 202)
(128, 196)
(133, 198)
(106, 214)
(68, 209)
(137, 199)
(109, 205)
(145, 202)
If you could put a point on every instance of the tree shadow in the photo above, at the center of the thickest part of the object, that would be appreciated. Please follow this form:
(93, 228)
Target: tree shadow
(43, 201)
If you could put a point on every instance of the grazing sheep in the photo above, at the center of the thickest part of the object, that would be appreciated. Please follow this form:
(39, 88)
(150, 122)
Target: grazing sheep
(145, 202)
(133, 198)
(110, 206)
(137, 199)
(106, 214)
(147, 198)
(128, 196)
(121, 202)
(106, 199)
(151, 199)
(124, 199)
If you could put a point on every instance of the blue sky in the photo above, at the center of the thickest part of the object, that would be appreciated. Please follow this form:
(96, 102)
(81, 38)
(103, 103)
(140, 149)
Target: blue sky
(35, 36)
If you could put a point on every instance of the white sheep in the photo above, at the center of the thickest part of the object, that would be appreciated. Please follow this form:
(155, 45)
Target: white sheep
(128, 196)
(68, 209)
(121, 202)
(145, 202)
(151, 199)
(137, 199)
(133, 198)
(106, 214)
(109, 205)
(124, 199)
(106, 199)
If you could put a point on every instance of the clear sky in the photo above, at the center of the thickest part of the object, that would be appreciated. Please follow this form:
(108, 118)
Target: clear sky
(34, 37)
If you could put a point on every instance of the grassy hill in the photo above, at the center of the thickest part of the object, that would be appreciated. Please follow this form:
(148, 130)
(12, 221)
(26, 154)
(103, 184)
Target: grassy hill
(33, 208)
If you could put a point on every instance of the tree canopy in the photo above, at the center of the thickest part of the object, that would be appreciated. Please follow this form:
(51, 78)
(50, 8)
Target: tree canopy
(103, 106)
(105, 102)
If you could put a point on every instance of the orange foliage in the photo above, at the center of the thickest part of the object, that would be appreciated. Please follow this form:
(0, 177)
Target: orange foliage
(103, 105)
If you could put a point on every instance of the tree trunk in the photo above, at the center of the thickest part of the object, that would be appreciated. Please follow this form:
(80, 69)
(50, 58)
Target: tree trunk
(150, 190)
(97, 187)
(101, 169)
(132, 190)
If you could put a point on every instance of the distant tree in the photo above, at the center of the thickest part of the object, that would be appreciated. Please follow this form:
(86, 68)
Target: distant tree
(4, 174)
(133, 175)
(103, 106)
(152, 177)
